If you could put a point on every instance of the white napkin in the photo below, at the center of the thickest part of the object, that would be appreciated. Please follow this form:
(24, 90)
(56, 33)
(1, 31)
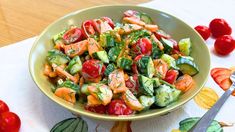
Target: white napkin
(39, 114)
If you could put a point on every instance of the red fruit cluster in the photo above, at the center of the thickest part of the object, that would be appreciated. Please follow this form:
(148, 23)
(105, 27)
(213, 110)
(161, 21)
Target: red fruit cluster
(220, 30)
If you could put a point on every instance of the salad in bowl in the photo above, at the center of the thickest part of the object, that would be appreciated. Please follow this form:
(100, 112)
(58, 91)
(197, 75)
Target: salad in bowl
(120, 68)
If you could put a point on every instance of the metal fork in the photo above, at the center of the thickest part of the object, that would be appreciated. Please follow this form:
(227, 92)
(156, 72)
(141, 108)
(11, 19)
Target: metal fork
(208, 117)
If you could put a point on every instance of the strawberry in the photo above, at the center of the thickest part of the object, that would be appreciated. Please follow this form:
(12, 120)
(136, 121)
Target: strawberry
(118, 107)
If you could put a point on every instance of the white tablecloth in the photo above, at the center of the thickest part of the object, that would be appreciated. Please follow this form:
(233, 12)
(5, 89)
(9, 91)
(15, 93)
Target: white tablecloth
(39, 114)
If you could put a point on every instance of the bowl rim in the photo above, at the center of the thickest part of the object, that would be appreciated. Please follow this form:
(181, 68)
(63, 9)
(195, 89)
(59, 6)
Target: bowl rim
(100, 116)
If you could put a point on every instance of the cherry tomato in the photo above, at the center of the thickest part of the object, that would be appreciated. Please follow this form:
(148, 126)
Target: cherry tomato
(73, 35)
(161, 34)
(133, 84)
(118, 107)
(88, 29)
(109, 20)
(9, 122)
(92, 69)
(134, 66)
(219, 27)
(101, 109)
(204, 31)
(131, 13)
(224, 45)
(171, 76)
(3, 107)
(142, 46)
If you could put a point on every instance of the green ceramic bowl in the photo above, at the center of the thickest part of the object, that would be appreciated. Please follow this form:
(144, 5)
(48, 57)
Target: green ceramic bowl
(172, 25)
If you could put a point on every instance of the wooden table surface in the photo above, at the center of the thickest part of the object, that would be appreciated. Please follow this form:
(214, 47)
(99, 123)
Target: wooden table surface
(21, 19)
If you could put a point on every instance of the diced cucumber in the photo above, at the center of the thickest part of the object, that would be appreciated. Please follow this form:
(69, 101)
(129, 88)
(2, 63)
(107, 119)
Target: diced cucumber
(169, 60)
(187, 66)
(113, 53)
(156, 82)
(146, 85)
(84, 89)
(124, 63)
(156, 52)
(146, 101)
(166, 95)
(146, 67)
(101, 55)
(110, 68)
(168, 45)
(57, 57)
(69, 84)
(75, 65)
(59, 36)
(185, 46)
(146, 18)
(107, 40)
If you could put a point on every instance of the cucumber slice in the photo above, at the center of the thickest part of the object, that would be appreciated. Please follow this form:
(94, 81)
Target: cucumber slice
(146, 67)
(146, 85)
(185, 46)
(125, 63)
(156, 52)
(156, 82)
(59, 36)
(170, 61)
(168, 45)
(57, 57)
(165, 95)
(113, 53)
(75, 65)
(101, 55)
(146, 101)
(146, 18)
(187, 66)
(110, 68)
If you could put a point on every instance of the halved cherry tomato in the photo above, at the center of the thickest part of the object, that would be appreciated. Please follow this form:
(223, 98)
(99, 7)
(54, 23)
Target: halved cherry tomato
(118, 107)
(109, 20)
(161, 34)
(224, 45)
(130, 13)
(92, 69)
(132, 84)
(204, 31)
(3, 107)
(88, 29)
(9, 122)
(73, 35)
(171, 76)
(219, 27)
(101, 26)
(142, 46)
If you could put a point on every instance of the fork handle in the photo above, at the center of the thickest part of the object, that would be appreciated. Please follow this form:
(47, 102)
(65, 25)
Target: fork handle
(205, 121)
